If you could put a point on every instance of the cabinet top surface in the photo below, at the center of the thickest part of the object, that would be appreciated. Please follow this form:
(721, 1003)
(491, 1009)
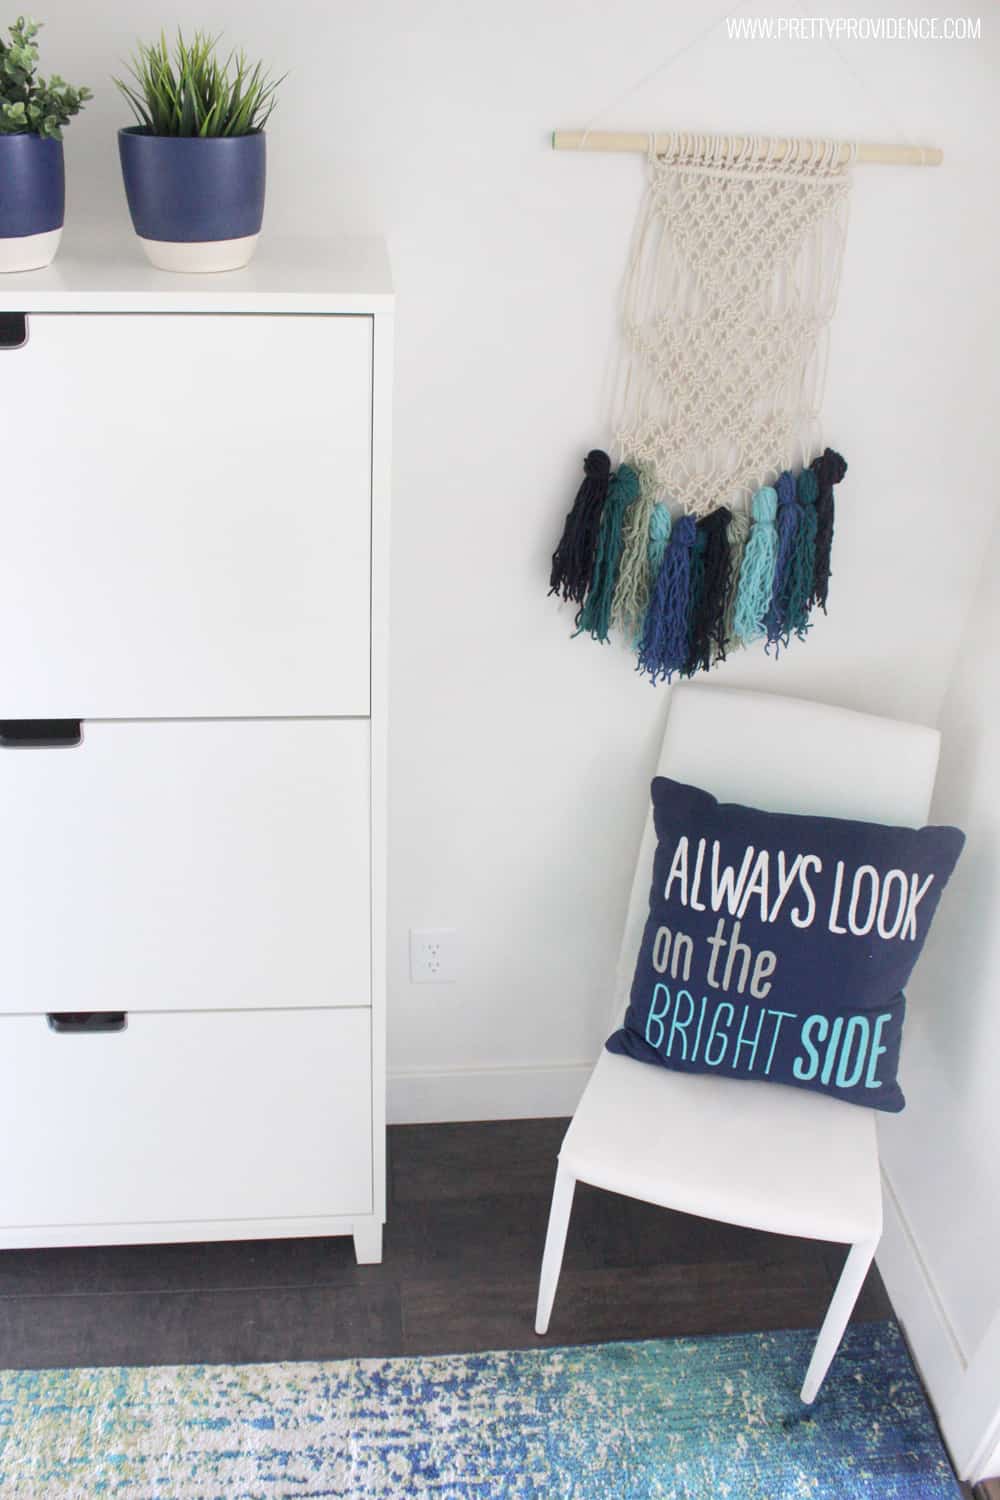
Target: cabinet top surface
(109, 273)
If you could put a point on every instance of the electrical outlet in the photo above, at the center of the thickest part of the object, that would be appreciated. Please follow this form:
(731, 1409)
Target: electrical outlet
(433, 955)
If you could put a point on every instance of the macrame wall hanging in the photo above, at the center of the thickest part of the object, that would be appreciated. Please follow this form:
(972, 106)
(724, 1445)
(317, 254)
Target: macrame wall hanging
(713, 527)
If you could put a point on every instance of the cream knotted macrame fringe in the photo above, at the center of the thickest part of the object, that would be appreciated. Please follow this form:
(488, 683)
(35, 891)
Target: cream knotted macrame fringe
(730, 288)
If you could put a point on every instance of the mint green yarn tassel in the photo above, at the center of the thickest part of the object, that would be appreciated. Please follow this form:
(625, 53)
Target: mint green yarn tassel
(595, 616)
(760, 555)
(659, 535)
(631, 596)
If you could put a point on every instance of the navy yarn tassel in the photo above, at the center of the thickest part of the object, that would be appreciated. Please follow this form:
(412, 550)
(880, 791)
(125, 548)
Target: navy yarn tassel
(799, 581)
(789, 513)
(595, 616)
(573, 559)
(696, 590)
(663, 649)
(829, 469)
(711, 577)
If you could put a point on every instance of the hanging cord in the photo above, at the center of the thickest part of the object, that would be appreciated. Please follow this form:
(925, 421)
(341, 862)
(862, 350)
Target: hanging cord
(867, 91)
(661, 67)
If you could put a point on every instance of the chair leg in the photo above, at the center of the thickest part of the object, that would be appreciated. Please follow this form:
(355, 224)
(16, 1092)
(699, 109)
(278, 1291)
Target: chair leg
(837, 1314)
(555, 1243)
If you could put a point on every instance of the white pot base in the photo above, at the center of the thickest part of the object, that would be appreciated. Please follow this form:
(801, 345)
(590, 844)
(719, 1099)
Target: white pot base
(29, 252)
(200, 256)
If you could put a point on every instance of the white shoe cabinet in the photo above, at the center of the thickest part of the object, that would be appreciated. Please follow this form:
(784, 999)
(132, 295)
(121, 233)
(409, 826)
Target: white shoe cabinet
(192, 748)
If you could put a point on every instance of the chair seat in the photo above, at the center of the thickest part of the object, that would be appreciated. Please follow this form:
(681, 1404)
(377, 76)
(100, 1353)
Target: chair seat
(762, 1155)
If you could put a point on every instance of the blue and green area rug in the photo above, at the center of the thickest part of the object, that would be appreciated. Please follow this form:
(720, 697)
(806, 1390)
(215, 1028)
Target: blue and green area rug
(689, 1419)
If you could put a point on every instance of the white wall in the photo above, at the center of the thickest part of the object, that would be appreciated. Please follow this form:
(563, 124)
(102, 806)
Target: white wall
(936, 1151)
(941, 1155)
(520, 758)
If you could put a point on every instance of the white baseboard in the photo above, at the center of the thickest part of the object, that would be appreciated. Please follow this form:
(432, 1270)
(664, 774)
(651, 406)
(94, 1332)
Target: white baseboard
(919, 1308)
(421, 1097)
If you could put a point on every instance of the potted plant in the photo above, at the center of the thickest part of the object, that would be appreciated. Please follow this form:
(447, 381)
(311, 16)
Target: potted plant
(32, 177)
(194, 164)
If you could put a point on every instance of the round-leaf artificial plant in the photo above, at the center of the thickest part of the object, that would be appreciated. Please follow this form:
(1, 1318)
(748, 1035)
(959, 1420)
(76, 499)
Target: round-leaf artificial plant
(30, 104)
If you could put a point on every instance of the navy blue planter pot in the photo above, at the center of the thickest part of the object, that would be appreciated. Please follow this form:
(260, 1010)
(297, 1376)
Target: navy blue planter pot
(32, 201)
(196, 204)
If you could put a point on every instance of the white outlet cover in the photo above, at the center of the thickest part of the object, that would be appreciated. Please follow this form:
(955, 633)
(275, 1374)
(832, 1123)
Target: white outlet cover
(433, 955)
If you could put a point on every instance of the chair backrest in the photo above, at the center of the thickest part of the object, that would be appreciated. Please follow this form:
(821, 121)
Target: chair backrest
(783, 755)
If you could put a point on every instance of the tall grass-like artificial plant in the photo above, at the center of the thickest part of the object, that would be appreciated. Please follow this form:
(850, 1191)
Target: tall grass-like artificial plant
(191, 92)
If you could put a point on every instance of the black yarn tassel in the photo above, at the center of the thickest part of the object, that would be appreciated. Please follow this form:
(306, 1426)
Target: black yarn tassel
(573, 559)
(829, 469)
(708, 619)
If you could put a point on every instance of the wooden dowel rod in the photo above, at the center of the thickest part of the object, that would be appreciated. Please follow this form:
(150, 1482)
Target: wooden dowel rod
(637, 140)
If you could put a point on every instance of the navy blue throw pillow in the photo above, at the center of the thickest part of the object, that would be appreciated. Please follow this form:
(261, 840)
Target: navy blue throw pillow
(778, 945)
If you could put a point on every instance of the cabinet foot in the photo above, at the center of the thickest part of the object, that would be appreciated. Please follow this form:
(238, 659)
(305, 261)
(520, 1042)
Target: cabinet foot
(368, 1242)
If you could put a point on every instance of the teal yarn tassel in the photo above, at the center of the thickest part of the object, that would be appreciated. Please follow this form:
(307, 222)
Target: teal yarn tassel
(799, 578)
(664, 646)
(595, 616)
(778, 629)
(757, 570)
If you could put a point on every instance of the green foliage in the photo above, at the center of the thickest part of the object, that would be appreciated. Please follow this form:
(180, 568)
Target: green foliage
(29, 104)
(192, 93)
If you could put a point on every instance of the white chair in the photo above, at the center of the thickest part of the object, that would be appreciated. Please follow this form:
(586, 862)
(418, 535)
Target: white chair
(762, 1155)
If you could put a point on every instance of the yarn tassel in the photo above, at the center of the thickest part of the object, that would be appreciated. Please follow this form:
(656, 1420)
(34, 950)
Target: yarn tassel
(660, 523)
(573, 559)
(777, 625)
(631, 596)
(708, 605)
(696, 589)
(739, 532)
(659, 536)
(799, 578)
(595, 616)
(830, 469)
(757, 569)
(664, 646)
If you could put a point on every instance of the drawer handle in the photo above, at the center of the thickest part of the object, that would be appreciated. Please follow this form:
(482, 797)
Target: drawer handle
(40, 732)
(86, 1022)
(13, 330)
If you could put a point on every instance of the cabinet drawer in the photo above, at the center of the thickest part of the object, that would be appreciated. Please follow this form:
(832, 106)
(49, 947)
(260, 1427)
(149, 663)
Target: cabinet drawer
(237, 1115)
(184, 866)
(186, 517)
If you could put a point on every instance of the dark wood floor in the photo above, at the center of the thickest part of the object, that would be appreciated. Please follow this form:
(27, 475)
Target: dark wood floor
(467, 1213)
